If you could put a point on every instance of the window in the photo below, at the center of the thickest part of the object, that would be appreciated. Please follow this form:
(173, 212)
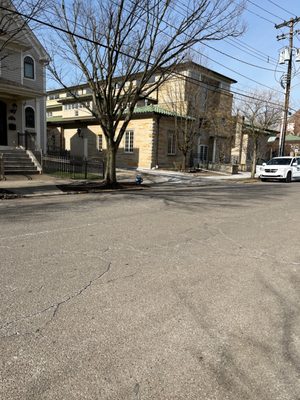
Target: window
(28, 67)
(128, 142)
(100, 142)
(203, 151)
(225, 86)
(171, 143)
(49, 114)
(195, 75)
(29, 117)
(53, 96)
(76, 106)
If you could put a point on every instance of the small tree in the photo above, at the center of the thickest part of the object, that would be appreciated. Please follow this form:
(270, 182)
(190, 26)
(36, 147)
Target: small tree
(186, 109)
(125, 49)
(261, 113)
(186, 130)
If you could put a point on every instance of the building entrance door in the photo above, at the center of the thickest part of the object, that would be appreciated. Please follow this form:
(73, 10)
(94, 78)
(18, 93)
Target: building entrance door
(3, 124)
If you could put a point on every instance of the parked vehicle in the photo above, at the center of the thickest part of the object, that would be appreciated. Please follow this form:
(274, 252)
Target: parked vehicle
(280, 168)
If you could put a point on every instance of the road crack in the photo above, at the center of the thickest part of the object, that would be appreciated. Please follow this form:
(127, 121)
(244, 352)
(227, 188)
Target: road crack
(56, 306)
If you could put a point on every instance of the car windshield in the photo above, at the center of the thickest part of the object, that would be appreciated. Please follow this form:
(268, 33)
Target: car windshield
(279, 161)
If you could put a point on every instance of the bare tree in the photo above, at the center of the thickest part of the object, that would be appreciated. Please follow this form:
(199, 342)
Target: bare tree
(185, 105)
(133, 47)
(14, 19)
(261, 114)
(186, 130)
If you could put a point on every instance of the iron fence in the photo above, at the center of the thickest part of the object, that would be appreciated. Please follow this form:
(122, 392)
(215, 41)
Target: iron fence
(74, 168)
(27, 140)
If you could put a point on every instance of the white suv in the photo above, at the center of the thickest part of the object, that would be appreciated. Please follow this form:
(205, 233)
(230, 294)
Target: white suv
(281, 168)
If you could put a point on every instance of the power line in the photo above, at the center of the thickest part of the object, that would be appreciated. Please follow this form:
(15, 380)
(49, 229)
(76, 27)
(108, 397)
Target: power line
(230, 56)
(191, 79)
(252, 52)
(244, 76)
(230, 69)
(260, 16)
(291, 23)
(283, 9)
(184, 7)
(263, 9)
(237, 59)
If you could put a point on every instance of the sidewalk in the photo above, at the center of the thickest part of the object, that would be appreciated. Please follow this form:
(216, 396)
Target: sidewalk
(35, 185)
(46, 185)
(184, 176)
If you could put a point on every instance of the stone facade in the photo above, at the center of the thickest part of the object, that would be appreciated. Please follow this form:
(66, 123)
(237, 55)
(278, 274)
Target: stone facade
(196, 95)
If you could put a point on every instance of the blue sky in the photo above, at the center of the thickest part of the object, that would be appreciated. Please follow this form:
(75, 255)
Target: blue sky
(258, 46)
(264, 48)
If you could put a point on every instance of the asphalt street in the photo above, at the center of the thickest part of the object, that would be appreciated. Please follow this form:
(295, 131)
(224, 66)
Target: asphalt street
(172, 292)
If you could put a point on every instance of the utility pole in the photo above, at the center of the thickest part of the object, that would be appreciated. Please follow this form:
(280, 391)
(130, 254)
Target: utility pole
(283, 130)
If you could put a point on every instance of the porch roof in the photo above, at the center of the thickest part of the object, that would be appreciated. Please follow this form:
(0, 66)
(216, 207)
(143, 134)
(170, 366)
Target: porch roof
(11, 89)
(151, 109)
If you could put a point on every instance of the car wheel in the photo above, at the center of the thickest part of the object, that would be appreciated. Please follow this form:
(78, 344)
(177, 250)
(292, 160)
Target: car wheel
(263, 179)
(288, 178)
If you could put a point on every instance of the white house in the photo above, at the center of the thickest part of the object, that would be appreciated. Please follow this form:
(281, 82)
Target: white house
(22, 84)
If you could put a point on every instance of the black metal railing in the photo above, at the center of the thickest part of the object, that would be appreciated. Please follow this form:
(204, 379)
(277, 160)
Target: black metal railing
(73, 168)
(27, 140)
(2, 172)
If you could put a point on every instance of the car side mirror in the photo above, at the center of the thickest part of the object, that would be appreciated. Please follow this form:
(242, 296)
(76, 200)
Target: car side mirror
(264, 164)
(294, 164)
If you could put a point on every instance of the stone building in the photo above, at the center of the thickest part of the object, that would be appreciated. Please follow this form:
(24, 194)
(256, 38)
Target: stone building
(194, 93)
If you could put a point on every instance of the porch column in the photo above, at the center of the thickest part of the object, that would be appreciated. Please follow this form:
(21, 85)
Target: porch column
(214, 150)
(38, 124)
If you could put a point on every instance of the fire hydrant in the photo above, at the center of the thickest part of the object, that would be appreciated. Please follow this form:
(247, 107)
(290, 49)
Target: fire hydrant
(138, 180)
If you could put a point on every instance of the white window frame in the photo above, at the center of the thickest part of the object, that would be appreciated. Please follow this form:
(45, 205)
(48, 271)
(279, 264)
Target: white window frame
(128, 144)
(35, 124)
(53, 96)
(100, 142)
(34, 67)
(171, 143)
(203, 152)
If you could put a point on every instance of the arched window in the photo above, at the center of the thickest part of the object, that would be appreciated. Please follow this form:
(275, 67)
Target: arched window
(28, 67)
(29, 117)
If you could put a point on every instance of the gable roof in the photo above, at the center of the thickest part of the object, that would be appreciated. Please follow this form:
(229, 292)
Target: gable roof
(27, 32)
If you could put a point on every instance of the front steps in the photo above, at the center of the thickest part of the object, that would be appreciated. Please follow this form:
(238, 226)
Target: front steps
(18, 162)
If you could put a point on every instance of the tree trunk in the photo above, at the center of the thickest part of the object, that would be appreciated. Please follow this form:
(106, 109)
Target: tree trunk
(110, 168)
(254, 157)
(183, 162)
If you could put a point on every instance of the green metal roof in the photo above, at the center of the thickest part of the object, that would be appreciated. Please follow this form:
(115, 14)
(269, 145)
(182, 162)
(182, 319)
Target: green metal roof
(154, 108)
(150, 109)
(61, 119)
(288, 138)
(54, 106)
